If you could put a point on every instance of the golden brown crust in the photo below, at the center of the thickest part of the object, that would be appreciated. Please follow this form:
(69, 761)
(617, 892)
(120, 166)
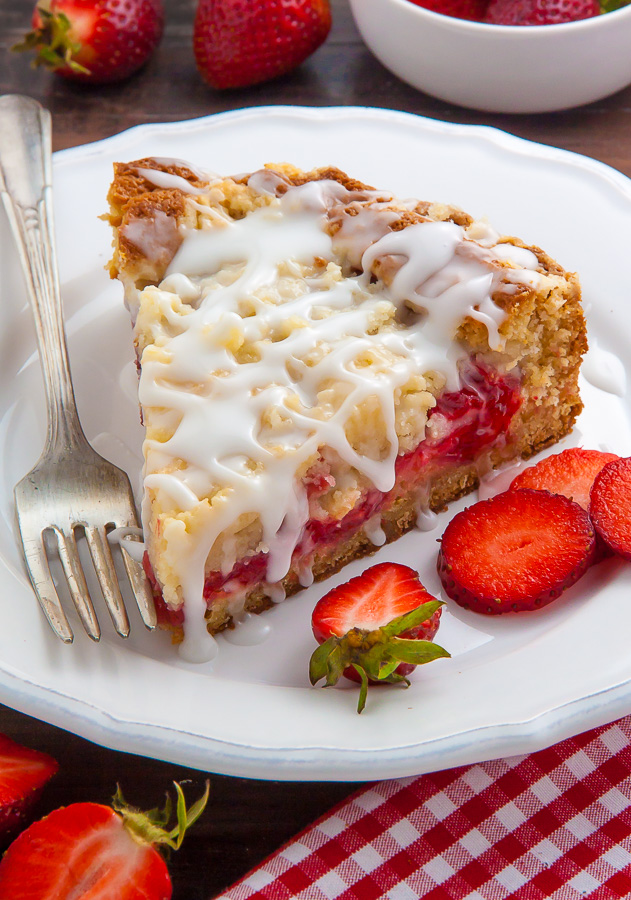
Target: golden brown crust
(129, 182)
(132, 197)
(451, 213)
(328, 173)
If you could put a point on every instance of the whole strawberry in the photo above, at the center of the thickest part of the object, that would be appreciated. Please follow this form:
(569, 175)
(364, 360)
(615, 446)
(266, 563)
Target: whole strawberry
(459, 9)
(540, 12)
(88, 850)
(96, 41)
(241, 42)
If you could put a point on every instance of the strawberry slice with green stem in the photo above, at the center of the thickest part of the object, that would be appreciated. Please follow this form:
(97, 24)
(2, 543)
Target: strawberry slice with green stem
(376, 629)
(88, 850)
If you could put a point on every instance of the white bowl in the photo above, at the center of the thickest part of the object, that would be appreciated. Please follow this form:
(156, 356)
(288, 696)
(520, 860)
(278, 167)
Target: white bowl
(499, 68)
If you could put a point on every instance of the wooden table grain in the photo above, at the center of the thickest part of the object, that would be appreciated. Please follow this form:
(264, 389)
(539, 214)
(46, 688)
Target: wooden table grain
(245, 819)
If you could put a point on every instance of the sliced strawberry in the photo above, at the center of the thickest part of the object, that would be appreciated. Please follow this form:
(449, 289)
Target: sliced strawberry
(610, 506)
(87, 850)
(571, 473)
(23, 774)
(519, 550)
(375, 628)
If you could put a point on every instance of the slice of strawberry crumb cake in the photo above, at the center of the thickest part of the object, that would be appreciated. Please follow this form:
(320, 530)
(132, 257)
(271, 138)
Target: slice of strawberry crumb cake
(321, 365)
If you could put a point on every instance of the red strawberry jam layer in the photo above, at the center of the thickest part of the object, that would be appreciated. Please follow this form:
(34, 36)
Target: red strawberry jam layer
(461, 425)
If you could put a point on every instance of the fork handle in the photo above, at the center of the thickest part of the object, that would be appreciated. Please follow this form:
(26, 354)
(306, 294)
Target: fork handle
(26, 187)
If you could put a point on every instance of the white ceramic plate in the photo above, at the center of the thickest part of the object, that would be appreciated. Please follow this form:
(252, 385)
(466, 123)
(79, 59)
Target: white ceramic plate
(515, 683)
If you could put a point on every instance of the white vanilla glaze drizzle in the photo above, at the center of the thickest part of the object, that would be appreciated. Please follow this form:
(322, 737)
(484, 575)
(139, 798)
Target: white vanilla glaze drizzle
(304, 340)
(162, 179)
(374, 532)
(250, 630)
(276, 592)
(131, 539)
(604, 370)
(426, 519)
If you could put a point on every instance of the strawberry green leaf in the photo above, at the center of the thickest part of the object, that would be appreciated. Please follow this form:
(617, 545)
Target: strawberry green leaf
(319, 658)
(373, 659)
(363, 691)
(198, 807)
(411, 619)
(177, 835)
(416, 652)
(52, 42)
(186, 818)
(395, 678)
(336, 662)
(612, 5)
(156, 816)
(387, 668)
(148, 827)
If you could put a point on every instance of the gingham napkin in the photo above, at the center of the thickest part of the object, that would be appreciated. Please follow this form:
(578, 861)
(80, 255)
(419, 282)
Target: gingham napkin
(554, 824)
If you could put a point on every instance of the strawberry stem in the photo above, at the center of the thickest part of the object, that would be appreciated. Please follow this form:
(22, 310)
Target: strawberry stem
(52, 42)
(363, 691)
(149, 827)
(376, 655)
(411, 619)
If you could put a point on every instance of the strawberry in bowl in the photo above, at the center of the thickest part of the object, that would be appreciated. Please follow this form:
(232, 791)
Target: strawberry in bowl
(446, 52)
(459, 9)
(539, 12)
(375, 628)
(521, 12)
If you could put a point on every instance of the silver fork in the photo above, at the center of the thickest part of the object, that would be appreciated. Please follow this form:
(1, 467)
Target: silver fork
(71, 490)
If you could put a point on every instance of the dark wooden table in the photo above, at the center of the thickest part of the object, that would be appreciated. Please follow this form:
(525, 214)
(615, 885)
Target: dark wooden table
(246, 819)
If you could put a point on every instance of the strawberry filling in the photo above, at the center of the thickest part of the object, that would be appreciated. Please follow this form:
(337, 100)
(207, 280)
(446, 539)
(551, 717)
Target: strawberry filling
(461, 425)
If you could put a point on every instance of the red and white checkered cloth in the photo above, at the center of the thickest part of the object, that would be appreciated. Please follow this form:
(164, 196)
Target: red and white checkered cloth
(554, 824)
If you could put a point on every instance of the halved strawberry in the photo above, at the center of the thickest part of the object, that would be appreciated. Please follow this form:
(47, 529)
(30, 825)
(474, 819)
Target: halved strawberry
(571, 473)
(519, 550)
(375, 628)
(610, 506)
(23, 774)
(87, 850)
